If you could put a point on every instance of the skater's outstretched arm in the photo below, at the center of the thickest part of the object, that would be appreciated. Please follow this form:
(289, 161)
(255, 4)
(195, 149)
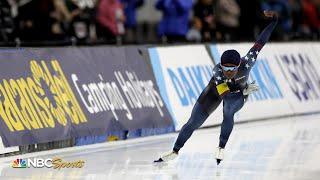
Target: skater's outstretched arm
(264, 36)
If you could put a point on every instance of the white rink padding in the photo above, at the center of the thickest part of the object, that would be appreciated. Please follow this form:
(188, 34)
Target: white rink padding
(288, 75)
(300, 72)
(279, 149)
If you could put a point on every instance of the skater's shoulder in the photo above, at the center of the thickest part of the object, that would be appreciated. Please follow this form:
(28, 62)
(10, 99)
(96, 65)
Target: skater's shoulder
(217, 68)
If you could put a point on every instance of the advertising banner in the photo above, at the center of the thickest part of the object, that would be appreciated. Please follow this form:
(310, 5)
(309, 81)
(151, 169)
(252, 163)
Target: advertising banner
(300, 73)
(182, 73)
(57, 93)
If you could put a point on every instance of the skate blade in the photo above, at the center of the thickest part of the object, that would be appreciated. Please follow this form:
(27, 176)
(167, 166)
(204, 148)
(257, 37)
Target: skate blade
(159, 160)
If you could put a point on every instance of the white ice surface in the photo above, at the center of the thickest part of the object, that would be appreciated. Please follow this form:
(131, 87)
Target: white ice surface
(278, 149)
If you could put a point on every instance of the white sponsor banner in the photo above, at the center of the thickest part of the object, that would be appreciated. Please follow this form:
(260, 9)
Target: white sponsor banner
(316, 48)
(299, 75)
(270, 101)
(182, 73)
(288, 75)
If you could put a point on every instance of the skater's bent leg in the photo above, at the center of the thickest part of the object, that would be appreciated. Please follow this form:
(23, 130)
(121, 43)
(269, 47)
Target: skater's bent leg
(231, 105)
(226, 129)
(198, 116)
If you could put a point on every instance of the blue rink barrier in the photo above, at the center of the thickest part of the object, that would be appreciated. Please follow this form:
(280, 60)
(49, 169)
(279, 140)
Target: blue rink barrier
(149, 132)
(120, 135)
(123, 135)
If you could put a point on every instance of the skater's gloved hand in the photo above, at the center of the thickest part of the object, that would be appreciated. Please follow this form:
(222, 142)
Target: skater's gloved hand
(251, 88)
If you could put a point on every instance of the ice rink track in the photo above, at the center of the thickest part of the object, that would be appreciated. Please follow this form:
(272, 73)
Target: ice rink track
(287, 148)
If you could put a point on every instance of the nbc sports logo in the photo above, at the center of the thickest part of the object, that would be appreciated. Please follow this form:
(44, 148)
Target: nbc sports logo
(19, 163)
(55, 163)
(34, 162)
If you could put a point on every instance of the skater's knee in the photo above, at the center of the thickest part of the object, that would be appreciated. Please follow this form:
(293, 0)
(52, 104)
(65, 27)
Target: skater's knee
(188, 127)
(194, 123)
(228, 118)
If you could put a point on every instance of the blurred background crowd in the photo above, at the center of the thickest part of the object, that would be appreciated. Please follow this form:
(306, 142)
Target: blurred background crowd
(54, 22)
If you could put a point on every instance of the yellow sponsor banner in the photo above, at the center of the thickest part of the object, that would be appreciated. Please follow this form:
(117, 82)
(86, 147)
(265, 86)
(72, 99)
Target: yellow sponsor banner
(42, 100)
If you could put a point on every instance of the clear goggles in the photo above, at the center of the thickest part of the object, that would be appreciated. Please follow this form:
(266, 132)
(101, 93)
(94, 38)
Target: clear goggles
(229, 68)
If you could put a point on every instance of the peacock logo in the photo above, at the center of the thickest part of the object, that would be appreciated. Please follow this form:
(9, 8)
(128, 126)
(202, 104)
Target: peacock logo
(19, 163)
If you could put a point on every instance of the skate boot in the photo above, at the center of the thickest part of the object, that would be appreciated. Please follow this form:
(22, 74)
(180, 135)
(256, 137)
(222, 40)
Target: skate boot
(167, 157)
(219, 155)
